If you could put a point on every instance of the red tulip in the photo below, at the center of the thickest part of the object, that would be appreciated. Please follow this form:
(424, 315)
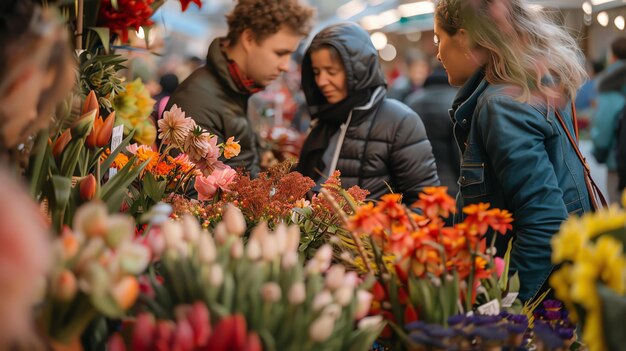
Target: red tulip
(410, 315)
(183, 336)
(253, 343)
(101, 132)
(229, 334)
(87, 188)
(61, 143)
(143, 333)
(163, 336)
(199, 319)
(116, 343)
(91, 103)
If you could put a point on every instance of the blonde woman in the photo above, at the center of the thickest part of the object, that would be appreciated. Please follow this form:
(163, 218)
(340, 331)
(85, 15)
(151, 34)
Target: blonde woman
(515, 69)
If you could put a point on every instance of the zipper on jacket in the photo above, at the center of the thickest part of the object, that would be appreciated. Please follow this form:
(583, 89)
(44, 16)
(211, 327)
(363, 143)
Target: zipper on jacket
(344, 129)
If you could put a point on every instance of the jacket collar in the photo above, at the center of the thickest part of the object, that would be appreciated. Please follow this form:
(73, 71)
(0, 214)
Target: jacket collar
(467, 98)
(218, 62)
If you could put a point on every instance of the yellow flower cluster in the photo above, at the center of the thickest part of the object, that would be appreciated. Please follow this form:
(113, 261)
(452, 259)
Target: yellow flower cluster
(133, 108)
(589, 255)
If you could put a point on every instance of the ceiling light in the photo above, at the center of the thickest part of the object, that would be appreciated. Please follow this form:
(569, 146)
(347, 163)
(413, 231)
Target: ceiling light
(379, 40)
(388, 53)
(600, 2)
(603, 19)
(619, 22)
(351, 8)
(388, 17)
(370, 23)
(587, 8)
(416, 8)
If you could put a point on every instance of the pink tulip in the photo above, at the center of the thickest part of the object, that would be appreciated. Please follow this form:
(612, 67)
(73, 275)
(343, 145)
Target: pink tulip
(499, 266)
(220, 179)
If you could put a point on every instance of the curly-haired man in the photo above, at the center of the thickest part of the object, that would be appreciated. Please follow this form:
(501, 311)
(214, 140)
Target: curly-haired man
(262, 34)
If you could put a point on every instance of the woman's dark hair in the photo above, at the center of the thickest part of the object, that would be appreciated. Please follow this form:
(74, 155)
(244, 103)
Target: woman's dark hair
(334, 53)
(15, 20)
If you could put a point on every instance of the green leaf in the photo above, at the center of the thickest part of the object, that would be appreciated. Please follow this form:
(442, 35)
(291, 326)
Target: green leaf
(114, 4)
(504, 278)
(36, 172)
(153, 188)
(62, 190)
(104, 34)
(122, 179)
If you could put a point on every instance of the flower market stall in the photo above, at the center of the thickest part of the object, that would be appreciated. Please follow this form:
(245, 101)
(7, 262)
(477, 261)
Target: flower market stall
(136, 235)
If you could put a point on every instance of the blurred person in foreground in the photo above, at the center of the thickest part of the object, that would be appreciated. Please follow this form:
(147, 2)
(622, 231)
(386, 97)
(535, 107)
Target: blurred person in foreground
(515, 68)
(610, 105)
(432, 104)
(417, 69)
(36, 72)
(377, 143)
(262, 35)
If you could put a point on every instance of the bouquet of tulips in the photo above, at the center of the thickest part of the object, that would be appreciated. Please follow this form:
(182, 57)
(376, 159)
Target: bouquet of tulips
(66, 170)
(289, 307)
(96, 264)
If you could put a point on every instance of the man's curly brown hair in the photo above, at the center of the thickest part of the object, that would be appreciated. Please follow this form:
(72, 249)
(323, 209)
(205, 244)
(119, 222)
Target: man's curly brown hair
(266, 17)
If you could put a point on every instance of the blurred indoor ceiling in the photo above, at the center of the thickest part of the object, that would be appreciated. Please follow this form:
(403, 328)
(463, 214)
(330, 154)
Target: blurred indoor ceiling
(385, 15)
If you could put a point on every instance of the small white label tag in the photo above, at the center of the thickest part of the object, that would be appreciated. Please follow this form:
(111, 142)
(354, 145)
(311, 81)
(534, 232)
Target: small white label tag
(491, 308)
(116, 139)
(509, 299)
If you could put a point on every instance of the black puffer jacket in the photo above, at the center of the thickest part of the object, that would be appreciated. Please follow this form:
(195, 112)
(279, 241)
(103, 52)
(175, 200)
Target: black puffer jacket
(213, 100)
(386, 144)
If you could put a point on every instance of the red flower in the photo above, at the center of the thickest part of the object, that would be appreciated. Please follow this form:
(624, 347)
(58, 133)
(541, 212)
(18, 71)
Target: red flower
(229, 334)
(185, 4)
(129, 14)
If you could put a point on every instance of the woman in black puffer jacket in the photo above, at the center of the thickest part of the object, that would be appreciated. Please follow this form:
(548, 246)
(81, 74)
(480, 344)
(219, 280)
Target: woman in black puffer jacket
(377, 143)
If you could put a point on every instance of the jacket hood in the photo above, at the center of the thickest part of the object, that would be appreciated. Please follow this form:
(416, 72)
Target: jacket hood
(359, 57)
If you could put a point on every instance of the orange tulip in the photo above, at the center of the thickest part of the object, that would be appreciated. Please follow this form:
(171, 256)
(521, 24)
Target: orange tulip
(61, 143)
(125, 292)
(101, 132)
(87, 187)
(91, 103)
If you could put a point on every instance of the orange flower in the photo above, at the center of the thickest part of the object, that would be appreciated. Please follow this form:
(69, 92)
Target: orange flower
(368, 220)
(500, 220)
(476, 220)
(101, 132)
(163, 168)
(231, 148)
(435, 202)
(120, 161)
(480, 268)
(145, 153)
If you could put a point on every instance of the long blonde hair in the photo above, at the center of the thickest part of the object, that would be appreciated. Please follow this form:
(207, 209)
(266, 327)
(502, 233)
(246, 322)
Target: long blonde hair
(524, 47)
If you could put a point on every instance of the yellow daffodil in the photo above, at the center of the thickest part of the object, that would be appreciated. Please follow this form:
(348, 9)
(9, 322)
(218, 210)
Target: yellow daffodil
(604, 221)
(569, 241)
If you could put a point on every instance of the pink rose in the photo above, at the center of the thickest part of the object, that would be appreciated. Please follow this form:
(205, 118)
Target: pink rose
(207, 187)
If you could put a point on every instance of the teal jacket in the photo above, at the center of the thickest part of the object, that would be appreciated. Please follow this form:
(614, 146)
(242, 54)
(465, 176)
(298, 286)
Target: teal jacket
(610, 101)
(516, 158)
